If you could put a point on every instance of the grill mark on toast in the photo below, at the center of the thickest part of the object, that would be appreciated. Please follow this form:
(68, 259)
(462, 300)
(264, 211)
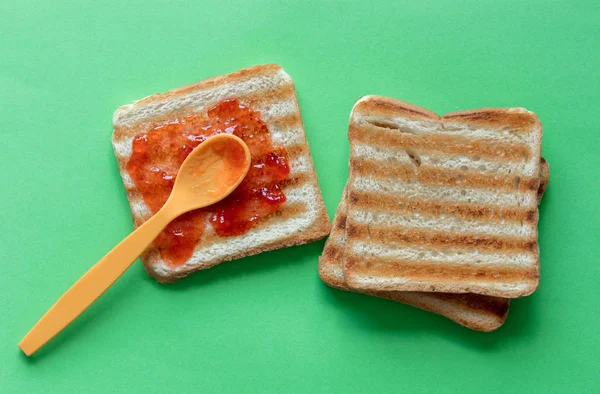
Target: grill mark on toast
(333, 252)
(214, 82)
(544, 178)
(261, 99)
(297, 150)
(498, 118)
(256, 101)
(451, 195)
(125, 134)
(287, 212)
(388, 124)
(300, 179)
(435, 272)
(294, 181)
(378, 202)
(448, 255)
(443, 223)
(290, 121)
(370, 105)
(376, 136)
(340, 222)
(456, 162)
(119, 135)
(428, 175)
(440, 239)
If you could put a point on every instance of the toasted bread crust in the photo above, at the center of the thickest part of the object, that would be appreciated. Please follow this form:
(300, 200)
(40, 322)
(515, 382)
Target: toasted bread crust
(234, 77)
(544, 178)
(517, 119)
(379, 105)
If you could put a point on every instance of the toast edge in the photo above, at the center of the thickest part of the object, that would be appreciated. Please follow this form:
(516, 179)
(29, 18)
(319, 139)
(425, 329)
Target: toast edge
(317, 231)
(380, 105)
(236, 76)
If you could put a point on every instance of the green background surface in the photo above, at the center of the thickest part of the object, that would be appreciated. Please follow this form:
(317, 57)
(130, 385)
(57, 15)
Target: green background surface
(267, 323)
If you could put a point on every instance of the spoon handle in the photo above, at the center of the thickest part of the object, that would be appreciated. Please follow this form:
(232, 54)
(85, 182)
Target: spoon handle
(95, 282)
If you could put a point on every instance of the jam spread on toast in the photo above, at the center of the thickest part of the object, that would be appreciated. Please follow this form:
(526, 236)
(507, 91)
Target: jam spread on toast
(158, 153)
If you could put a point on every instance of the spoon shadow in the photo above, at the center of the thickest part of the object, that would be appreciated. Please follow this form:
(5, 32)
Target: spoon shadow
(112, 303)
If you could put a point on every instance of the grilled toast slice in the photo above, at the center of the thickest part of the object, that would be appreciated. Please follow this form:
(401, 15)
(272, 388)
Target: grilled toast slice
(269, 91)
(442, 204)
(474, 311)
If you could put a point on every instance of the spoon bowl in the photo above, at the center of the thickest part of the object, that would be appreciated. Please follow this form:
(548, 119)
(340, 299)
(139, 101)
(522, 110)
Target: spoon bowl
(209, 175)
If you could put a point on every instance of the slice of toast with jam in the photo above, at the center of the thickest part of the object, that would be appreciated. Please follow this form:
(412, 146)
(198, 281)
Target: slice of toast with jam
(279, 203)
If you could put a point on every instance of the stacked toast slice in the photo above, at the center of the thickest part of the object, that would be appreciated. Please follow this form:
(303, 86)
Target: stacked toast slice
(440, 212)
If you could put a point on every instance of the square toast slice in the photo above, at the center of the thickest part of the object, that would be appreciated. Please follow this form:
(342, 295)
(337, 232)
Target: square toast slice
(442, 204)
(268, 90)
(474, 311)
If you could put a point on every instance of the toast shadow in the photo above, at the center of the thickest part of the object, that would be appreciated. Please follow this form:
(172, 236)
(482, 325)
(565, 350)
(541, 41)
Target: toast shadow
(376, 314)
(251, 265)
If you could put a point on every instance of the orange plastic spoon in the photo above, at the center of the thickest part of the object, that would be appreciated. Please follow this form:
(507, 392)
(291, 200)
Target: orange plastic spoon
(209, 174)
